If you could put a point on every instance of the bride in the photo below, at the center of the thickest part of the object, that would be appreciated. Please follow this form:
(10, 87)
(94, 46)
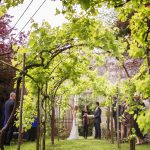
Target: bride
(74, 134)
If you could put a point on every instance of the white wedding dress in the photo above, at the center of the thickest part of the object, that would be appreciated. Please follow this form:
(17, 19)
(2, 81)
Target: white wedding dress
(74, 134)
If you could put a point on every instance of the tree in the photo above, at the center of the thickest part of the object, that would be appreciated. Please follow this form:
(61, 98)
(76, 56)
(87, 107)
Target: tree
(8, 71)
(6, 52)
(6, 74)
(85, 31)
(48, 46)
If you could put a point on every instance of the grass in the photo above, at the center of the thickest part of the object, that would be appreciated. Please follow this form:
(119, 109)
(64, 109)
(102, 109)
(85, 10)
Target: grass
(81, 144)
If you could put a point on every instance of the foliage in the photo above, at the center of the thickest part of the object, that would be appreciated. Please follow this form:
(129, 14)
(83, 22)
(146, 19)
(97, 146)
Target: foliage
(143, 121)
(6, 4)
(60, 56)
(143, 89)
(29, 113)
(137, 13)
(7, 38)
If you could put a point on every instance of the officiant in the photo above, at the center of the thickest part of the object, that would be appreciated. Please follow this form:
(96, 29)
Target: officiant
(85, 121)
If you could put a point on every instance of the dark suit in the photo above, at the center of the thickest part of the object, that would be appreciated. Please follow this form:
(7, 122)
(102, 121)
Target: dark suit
(1, 114)
(8, 110)
(97, 121)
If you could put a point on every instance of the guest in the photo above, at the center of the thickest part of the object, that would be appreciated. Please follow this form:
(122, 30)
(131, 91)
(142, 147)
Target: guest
(85, 121)
(1, 113)
(139, 106)
(124, 121)
(30, 135)
(97, 121)
(9, 105)
(32, 131)
(114, 113)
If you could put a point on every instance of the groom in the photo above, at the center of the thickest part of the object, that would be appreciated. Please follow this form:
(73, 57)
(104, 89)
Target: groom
(97, 121)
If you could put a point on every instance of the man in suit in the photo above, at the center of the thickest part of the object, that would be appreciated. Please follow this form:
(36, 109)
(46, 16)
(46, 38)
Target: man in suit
(1, 113)
(9, 105)
(97, 121)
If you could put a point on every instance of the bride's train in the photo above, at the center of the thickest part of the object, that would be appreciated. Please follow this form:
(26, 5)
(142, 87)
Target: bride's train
(74, 134)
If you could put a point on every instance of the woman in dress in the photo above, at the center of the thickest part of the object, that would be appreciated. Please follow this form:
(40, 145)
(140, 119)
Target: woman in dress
(74, 134)
(85, 121)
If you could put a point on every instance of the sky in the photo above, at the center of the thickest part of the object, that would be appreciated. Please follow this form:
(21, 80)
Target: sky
(46, 12)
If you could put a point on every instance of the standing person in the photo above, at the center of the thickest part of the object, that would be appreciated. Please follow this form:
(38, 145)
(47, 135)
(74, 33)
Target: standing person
(9, 105)
(74, 134)
(85, 121)
(114, 113)
(139, 106)
(127, 120)
(31, 133)
(1, 113)
(116, 106)
(123, 123)
(97, 121)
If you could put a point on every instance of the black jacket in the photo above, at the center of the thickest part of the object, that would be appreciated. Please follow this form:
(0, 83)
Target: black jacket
(9, 104)
(97, 115)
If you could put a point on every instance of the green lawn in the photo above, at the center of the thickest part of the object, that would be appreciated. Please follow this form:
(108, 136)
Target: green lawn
(80, 144)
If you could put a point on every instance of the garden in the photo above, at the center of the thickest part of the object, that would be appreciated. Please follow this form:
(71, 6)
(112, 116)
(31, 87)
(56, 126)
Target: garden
(54, 80)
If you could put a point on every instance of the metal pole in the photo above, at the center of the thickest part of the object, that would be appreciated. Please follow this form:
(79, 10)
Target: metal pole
(21, 105)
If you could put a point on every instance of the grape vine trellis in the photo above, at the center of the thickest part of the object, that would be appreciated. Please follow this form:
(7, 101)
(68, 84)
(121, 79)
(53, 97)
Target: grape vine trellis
(46, 44)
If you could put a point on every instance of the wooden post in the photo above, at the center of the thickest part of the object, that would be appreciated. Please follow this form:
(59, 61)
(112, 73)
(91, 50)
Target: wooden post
(44, 127)
(112, 126)
(38, 121)
(118, 130)
(21, 105)
(148, 59)
(45, 120)
(58, 125)
(52, 121)
(1, 140)
(108, 123)
(132, 141)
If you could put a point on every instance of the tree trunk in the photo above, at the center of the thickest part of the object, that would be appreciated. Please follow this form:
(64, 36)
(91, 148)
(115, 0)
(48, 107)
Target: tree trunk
(52, 122)
(58, 125)
(132, 144)
(38, 121)
(132, 141)
(2, 139)
(148, 60)
(112, 126)
(118, 124)
(53, 108)
(118, 128)
(45, 120)
(44, 126)
(108, 123)
(21, 105)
